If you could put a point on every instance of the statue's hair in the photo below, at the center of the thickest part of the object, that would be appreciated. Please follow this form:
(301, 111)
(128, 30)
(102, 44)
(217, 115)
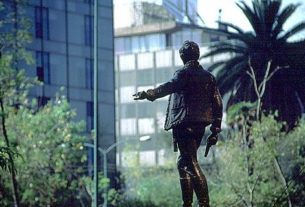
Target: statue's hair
(189, 51)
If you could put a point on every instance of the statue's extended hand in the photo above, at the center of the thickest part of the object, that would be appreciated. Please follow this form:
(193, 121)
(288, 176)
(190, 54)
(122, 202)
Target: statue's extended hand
(140, 95)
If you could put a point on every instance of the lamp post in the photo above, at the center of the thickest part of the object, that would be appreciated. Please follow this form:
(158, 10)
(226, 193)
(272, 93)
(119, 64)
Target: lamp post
(95, 102)
(104, 152)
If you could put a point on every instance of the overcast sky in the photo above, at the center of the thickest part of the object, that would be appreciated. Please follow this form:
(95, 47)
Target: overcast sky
(208, 10)
(231, 13)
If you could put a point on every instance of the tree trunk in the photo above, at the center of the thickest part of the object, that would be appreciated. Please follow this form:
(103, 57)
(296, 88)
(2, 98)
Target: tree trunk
(11, 159)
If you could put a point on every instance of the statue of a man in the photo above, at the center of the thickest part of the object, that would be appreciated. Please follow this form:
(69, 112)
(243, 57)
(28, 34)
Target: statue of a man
(194, 103)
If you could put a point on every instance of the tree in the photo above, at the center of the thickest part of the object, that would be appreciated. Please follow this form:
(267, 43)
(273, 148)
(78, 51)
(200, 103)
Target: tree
(247, 174)
(268, 42)
(52, 162)
(14, 34)
(42, 157)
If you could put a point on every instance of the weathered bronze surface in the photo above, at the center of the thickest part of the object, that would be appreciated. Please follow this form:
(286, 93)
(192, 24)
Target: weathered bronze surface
(194, 103)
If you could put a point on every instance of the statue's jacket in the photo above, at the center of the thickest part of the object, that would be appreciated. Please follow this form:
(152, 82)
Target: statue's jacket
(194, 97)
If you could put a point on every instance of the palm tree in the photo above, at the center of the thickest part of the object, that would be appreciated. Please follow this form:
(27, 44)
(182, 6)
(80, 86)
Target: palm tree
(285, 91)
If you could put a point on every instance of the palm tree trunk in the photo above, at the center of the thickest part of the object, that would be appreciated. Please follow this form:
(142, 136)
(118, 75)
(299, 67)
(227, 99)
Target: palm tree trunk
(11, 159)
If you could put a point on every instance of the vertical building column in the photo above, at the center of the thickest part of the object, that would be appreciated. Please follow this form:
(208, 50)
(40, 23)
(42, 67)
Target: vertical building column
(155, 143)
(67, 50)
(118, 104)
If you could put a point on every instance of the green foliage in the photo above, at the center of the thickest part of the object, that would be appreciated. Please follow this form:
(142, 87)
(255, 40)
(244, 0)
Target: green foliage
(137, 203)
(247, 173)
(150, 186)
(5, 152)
(52, 153)
(160, 186)
(238, 111)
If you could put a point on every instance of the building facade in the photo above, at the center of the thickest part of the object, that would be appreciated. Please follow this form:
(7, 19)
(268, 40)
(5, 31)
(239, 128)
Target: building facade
(62, 48)
(147, 56)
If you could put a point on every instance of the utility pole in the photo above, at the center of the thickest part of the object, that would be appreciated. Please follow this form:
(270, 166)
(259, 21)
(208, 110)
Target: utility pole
(95, 103)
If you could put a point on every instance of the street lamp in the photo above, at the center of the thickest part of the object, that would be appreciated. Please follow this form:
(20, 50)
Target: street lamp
(104, 152)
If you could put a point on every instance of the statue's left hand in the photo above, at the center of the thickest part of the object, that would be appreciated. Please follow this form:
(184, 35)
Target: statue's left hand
(140, 95)
(212, 139)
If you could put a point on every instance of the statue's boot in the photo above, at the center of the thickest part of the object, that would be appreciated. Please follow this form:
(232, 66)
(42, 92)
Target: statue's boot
(186, 190)
(200, 187)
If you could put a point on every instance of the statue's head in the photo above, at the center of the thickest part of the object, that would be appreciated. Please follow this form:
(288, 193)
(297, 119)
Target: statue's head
(189, 51)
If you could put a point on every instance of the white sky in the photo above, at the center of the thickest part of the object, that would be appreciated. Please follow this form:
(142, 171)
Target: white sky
(231, 13)
(208, 10)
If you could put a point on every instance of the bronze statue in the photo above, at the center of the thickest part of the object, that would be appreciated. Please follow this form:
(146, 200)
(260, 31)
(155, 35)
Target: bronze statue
(194, 103)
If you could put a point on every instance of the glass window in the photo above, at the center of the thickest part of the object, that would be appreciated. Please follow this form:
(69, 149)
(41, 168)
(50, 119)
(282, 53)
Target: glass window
(145, 77)
(186, 35)
(135, 44)
(89, 73)
(178, 61)
(127, 62)
(127, 110)
(156, 42)
(126, 94)
(128, 126)
(41, 22)
(42, 100)
(164, 58)
(88, 30)
(177, 39)
(145, 60)
(146, 126)
(43, 67)
(163, 75)
(145, 109)
(89, 116)
(119, 45)
(214, 38)
(196, 36)
(127, 44)
(127, 78)
(148, 158)
(144, 88)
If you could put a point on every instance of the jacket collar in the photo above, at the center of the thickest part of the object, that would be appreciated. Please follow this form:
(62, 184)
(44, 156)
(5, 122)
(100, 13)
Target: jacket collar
(192, 64)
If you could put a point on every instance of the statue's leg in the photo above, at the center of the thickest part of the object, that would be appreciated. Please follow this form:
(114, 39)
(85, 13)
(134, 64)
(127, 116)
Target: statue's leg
(188, 143)
(200, 187)
(185, 183)
(185, 178)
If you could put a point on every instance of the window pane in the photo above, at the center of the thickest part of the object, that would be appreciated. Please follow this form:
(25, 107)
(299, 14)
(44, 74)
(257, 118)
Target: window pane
(127, 78)
(163, 75)
(164, 58)
(43, 66)
(146, 126)
(145, 77)
(89, 73)
(135, 44)
(147, 158)
(119, 45)
(89, 115)
(127, 110)
(41, 22)
(126, 94)
(178, 61)
(128, 126)
(127, 62)
(145, 109)
(145, 60)
(88, 30)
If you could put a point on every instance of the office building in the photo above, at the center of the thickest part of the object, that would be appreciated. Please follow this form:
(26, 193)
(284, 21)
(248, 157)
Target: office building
(62, 47)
